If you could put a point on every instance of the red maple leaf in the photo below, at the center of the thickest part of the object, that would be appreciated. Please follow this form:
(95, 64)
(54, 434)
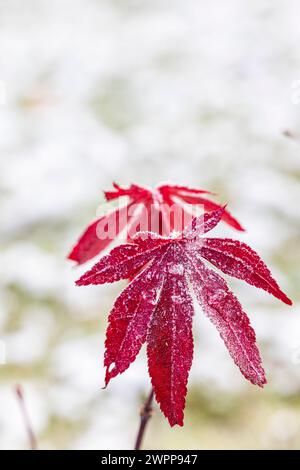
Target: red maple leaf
(156, 307)
(140, 203)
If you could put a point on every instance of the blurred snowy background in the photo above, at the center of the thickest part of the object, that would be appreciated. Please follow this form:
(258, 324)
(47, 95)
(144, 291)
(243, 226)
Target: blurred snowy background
(141, 91)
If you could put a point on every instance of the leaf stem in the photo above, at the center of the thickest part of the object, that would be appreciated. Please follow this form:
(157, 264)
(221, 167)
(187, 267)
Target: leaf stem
(29, 430)
(145, 413)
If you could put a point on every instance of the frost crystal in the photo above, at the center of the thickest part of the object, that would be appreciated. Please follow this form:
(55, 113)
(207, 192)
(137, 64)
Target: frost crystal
(156, 306)
(176, 269)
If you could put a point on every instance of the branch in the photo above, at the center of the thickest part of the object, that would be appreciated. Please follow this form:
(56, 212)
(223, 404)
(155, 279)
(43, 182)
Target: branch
(291, 135)
(31, 436)
(146, 413)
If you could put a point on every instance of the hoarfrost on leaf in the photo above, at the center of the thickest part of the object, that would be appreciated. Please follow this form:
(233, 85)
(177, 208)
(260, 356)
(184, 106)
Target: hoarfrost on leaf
(156, 306)
(150, 210)
(176, 269)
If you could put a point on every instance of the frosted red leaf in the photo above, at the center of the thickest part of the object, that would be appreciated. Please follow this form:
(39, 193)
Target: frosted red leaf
(122, 262)
(200, 225)
(239, 260)
(90, 244)
(155, 202)
(226, 313)
(156, 306)
(129, 319)
(170, 340)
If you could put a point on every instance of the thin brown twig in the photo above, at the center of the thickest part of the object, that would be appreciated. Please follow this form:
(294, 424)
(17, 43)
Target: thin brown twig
(29, 430)
(291, 135)
(146, 413)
